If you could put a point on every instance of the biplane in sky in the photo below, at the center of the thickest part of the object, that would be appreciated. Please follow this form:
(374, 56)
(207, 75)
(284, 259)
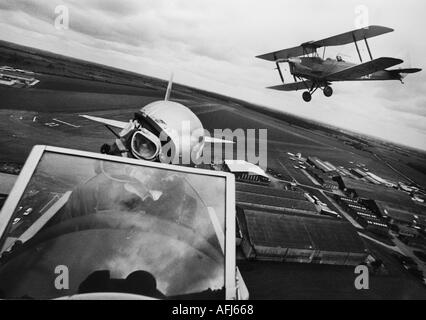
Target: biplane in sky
(312, 72)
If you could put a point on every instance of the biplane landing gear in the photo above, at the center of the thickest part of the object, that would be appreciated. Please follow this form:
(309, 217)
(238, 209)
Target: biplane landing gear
(328, 91)
(307, 96)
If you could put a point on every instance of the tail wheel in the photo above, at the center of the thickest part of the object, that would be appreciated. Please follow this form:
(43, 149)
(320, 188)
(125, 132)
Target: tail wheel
(307, 96)
(328, 91)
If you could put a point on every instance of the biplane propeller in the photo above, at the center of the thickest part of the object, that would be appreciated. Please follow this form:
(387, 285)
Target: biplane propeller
(312, 72)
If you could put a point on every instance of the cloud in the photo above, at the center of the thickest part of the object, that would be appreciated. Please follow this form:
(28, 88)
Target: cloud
(211, 44)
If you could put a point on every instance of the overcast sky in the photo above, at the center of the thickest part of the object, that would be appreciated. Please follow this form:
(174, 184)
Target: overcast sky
(211, 44)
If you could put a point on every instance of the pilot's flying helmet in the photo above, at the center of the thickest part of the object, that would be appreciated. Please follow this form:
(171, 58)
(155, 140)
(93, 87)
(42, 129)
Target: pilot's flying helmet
(145, 145)
(164, 131)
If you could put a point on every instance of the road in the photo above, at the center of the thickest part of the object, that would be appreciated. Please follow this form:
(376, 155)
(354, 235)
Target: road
(393, 248)
(407, 251)
(392, 168)
(289, 174)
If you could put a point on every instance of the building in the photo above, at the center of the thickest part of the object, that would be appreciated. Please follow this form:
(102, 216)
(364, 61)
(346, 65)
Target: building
(362, 190)
(358, 172)
(412, 215)
(324, 179)
(363, 215)
(328, 212)
(272, 199)
(293, 238)
(330, 166)
(269, 191)
(280, 204)
(16, 77)
(314, 161)
(246, 171)
(330, 184)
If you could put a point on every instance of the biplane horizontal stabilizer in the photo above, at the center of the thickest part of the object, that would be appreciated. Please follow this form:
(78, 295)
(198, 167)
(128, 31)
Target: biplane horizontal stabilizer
(406, 70)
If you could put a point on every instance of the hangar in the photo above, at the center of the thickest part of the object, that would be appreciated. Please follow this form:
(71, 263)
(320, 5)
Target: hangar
(246, 171)
(299, 238)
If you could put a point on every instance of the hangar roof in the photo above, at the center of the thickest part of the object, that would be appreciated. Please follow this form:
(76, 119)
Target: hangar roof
(244, 166)
(301, 232)
(375, 192)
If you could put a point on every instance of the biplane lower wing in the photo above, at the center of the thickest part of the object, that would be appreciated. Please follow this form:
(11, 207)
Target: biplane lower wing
(292, 86)
(363, 69)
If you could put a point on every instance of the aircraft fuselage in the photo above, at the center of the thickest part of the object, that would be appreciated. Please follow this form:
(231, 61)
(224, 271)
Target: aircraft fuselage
(317, 69)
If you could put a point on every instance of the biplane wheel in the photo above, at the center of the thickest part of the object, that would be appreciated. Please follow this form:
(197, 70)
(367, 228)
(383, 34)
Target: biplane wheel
(106, 148)
(307, 96)
(328, 91)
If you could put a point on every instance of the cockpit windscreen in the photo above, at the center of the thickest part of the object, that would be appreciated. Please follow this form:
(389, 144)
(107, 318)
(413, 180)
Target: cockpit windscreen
(86, 225)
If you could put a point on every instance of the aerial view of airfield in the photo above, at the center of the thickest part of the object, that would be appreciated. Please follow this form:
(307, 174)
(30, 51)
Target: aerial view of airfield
(312, 111)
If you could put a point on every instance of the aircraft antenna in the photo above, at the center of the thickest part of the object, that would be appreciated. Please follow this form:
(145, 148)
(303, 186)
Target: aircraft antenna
(169, 88)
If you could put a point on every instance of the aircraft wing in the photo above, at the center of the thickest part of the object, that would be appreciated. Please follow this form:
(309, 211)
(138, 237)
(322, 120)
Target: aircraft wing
(363, 69)
(113, 123)
(286, 53)
(122, 125)
(292, 86)
(339, 40)
(349, 37)
(216, 140)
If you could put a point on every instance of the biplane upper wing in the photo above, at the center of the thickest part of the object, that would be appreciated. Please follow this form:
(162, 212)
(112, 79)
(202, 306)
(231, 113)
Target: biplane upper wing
(286, 53)
(349, 37)
(363, 69)
(292, 86)
(339, 40)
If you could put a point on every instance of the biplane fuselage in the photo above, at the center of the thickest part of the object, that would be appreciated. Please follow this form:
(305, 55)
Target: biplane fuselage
(311, 72)
(316, 69)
